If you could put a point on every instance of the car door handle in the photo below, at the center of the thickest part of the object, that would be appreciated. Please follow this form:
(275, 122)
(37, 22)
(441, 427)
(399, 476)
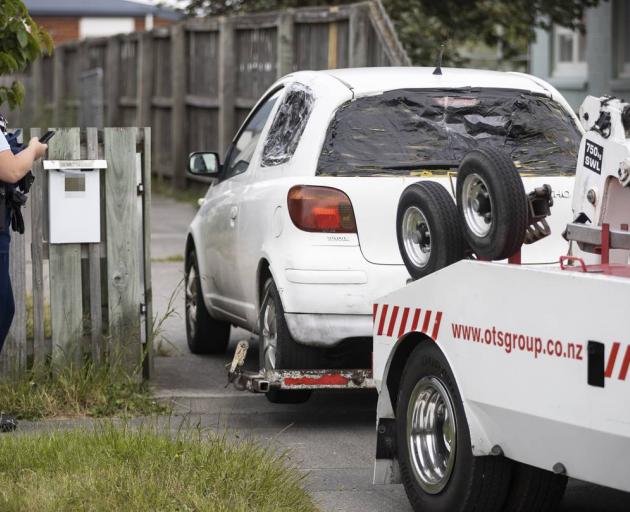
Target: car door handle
(234, 212)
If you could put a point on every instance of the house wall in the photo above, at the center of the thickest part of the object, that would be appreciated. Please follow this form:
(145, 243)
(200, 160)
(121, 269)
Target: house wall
(71, 28)
(601, 75)
(61, 28)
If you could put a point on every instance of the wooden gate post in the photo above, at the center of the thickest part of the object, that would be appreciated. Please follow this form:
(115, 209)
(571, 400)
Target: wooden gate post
(66, 304)
(123, 258)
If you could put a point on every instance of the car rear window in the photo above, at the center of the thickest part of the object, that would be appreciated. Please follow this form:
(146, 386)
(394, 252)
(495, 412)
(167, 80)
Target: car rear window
(412, 130)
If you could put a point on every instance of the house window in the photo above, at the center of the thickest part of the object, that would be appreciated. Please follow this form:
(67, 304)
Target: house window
(622, 15)
(104, 27)
(569, 52)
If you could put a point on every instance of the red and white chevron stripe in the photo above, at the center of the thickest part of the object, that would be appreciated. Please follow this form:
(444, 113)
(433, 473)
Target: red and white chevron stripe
(612, 362)
(395, 321)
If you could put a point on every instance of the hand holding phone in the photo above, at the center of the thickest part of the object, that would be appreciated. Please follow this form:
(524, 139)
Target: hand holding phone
(46, 137)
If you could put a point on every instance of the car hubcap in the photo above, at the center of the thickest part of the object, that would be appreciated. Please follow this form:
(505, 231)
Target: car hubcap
(416, 236)
(477, 205)
(191, 301)
(269, 336)
(432, 434)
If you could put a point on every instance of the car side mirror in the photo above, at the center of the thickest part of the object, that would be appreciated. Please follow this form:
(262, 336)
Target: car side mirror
(206, 164)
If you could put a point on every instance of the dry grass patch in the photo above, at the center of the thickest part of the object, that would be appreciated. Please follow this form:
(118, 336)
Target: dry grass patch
(78, 391)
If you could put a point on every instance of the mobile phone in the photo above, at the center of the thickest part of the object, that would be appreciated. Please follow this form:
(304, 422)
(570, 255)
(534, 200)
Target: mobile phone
(46, 137)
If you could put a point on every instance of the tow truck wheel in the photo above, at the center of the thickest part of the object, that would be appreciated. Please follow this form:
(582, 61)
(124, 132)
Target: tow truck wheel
(429, 235)
(278, 350)
(437, 466)
(492, 203)
(204, 334)
(534, 489)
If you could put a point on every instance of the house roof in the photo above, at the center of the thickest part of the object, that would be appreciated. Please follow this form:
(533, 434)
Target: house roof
(114, 8)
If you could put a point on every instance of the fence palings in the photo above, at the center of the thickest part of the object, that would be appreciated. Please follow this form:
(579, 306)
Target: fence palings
(76, 298)
(194, 82)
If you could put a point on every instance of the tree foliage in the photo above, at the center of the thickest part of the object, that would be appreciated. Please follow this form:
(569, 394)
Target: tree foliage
(424, 25)
(21, 42)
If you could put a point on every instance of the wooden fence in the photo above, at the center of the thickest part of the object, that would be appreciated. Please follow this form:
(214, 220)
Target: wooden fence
(194, 82)
(97, 301)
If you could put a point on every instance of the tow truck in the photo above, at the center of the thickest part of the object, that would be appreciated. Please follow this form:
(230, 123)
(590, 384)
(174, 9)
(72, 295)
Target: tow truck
(498, 381)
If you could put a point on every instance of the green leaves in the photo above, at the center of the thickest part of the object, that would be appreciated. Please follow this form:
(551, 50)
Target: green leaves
(21, 42)
(13, 95)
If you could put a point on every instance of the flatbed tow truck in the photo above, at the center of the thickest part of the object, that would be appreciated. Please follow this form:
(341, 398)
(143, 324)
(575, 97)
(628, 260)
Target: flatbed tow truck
(498, 381)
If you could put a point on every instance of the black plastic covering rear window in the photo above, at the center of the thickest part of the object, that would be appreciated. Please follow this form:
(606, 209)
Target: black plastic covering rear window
(408, 130)
(288, 125)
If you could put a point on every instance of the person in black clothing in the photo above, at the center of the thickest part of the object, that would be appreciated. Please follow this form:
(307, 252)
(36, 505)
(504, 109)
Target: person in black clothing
(13, 167)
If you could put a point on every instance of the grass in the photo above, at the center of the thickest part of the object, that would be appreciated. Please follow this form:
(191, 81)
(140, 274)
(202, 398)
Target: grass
(175, 258)
(162, 345)
(114, 468)
(72, 392)
(190, 195)
(30, 318)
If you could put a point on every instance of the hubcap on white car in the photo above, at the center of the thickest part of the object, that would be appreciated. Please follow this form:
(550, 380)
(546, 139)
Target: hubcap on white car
(191, 301)
(269, 335)
(477, 205)
(431, 434)
(416, 236)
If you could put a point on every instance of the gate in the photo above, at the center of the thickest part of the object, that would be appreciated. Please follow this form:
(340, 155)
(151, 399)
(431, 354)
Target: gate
(90, 300)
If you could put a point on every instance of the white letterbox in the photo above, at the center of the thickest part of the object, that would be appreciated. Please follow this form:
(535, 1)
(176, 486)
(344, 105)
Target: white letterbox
(74, 200)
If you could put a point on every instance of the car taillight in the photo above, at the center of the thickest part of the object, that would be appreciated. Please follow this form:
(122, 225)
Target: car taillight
(321, 209)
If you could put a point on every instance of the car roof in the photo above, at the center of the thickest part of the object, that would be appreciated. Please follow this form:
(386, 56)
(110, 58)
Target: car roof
(372, 80)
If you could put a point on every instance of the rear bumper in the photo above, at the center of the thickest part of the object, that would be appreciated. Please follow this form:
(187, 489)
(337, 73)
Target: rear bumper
(326, 306)
(321, 330)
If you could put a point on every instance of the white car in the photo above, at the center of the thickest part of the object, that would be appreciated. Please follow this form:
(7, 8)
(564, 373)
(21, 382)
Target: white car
(296, 237)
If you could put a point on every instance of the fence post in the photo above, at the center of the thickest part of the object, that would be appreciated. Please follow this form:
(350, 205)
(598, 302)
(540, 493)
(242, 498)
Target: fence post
(123, 257)
(94, 265)
(113, 81)
(58, 90)
(148, 289)
(178, 112)
(359, 27)
(145, 77)
(227, 83)
(66, 303)
(37, 98)
(286, 23)
(41, 347)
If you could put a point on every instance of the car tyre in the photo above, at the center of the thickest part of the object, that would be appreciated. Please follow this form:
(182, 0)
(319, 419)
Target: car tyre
(205, 334)
(534, 490)
(427, 228)
(438, 469)
(491, 203)
(278, 350)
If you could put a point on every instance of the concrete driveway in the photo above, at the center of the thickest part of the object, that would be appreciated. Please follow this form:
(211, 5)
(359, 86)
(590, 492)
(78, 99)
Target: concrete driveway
(331, 437)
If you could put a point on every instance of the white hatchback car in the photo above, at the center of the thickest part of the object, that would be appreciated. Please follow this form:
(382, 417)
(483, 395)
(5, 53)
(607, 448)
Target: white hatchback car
(296, 238)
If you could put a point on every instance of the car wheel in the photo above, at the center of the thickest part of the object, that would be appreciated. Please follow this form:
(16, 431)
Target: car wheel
(205, 334)
(534, 490)
(278, 350)
(429, 235)
(492, 203)
(437, 466)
